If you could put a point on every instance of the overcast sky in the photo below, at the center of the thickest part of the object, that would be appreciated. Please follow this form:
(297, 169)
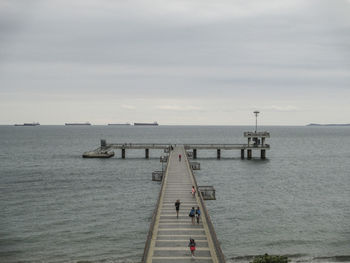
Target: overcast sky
(174, 61)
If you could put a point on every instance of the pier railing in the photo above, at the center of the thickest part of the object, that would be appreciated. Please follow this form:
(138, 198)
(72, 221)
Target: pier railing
(226, 146)
(219, 253)
(154, 217)
(187, 146)
(138, 145)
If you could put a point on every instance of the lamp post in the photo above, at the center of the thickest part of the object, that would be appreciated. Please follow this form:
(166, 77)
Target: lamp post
(256, 120)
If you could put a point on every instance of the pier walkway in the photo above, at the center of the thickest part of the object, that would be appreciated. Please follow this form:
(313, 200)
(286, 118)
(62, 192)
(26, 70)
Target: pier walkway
(168, 237)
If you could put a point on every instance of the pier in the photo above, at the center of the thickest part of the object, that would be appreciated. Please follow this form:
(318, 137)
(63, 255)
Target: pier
(256, 141)
(168, 236)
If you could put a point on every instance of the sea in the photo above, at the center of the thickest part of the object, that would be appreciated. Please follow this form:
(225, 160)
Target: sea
(56, 206)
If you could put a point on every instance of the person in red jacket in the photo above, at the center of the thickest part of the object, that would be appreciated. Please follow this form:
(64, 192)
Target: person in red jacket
(192, 246)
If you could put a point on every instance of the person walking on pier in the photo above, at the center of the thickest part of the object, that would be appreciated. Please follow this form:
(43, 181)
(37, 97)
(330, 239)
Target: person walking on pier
(177, 207)
(192, 215)
(179, 157)
(198, 214)
(192, 246)
(193, 191)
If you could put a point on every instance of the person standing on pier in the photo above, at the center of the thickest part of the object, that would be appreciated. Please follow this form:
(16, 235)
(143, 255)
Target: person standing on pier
(198, 214)
(177, 207)
(192, 246)
(193, 191)
(179, 157)
(192, 215)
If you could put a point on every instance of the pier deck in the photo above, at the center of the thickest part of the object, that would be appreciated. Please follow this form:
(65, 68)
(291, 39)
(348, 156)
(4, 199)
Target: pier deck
(168, 236)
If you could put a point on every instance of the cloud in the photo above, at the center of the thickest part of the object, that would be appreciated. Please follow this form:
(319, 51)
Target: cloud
(127, 107)
(177, 55)
(286, 108)
(178, 108)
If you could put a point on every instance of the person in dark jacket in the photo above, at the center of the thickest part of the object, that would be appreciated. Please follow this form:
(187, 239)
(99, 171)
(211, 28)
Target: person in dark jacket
(177, 207)
(198, 214)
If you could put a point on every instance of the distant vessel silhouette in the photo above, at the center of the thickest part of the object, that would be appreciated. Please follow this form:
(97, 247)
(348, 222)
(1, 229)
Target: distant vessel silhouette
(330, 124)
(29, 124)
(146, 124)
(119, 124)
(78, 124)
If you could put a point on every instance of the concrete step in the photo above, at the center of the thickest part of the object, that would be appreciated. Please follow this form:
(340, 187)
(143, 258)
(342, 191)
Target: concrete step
(181, 231)
(179, 252)
(181, 237)
(180, 243)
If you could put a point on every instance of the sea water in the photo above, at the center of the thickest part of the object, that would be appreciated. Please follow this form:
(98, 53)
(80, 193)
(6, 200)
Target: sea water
(58, 207)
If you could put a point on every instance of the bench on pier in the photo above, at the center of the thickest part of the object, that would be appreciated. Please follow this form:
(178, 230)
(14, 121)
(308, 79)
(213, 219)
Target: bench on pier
(157, 176)
(208, 192)
(195, 165)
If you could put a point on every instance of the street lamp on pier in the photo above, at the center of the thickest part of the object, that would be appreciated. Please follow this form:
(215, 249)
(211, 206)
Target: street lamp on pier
(256, 120)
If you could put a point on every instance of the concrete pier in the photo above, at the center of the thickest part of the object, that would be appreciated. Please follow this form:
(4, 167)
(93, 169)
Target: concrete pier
(255, 141)
(169, 236)
(249, 154)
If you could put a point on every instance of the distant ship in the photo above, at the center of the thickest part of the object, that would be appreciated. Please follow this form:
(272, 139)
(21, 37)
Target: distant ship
(146, 124)
(331, 124)
(29, 124)
(78, 124)
(119, 124)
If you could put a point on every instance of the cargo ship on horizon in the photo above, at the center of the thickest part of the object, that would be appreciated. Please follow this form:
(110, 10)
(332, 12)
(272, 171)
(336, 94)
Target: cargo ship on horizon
(146, 124)
(78, 124)
(29, 124)
(119, 124)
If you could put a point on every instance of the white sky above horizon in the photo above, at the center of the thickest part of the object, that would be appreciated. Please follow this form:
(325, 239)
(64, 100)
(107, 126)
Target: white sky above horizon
(175, 62)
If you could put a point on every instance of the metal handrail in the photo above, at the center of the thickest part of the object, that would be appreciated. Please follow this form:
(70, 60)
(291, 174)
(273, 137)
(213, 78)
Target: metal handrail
(154, 217)
(216, 242)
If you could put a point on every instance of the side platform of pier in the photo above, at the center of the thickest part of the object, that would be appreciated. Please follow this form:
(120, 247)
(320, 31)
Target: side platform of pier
(168, 235)
(255, 142)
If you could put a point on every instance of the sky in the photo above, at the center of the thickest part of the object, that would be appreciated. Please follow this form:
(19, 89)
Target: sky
(189, 62)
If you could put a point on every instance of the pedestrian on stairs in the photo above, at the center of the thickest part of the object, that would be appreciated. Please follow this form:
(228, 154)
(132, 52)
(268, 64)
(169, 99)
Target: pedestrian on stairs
(192, 246)
(177, 207)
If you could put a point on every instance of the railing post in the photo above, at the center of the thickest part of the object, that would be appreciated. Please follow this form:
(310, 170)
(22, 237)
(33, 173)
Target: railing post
(123, 153)
(218, 154)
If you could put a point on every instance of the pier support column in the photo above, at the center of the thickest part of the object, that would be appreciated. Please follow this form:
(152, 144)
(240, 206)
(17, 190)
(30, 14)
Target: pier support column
(242, 154)
(249, 154)
(218, 154)
(263, 154)
(147, 153)
(123, 153)
(194, 153)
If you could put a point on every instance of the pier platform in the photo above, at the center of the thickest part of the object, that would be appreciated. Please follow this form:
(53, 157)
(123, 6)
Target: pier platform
(254, 144)
(168, 237)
